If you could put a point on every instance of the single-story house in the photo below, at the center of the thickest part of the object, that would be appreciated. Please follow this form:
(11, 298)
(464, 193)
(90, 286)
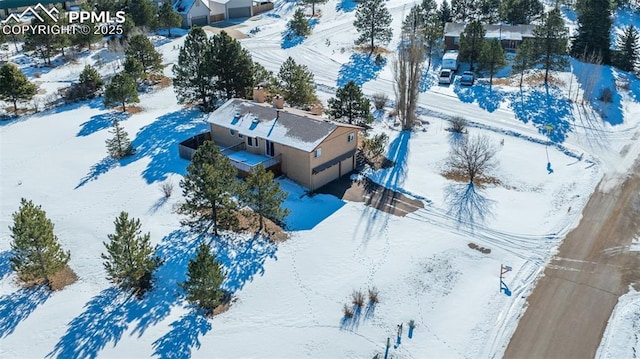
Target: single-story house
(510, 36)
(308, 149)
(193, 12)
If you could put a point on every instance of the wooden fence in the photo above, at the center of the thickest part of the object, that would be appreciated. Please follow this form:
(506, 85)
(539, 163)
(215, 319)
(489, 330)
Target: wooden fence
(188, 147)
(265, 6)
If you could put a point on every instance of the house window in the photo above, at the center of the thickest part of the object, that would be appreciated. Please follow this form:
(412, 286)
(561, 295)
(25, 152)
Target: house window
(252, 141)
(351, 137)
(318, 153)
(232, 132)
(240, 135)
(456, 41)
(269, 148)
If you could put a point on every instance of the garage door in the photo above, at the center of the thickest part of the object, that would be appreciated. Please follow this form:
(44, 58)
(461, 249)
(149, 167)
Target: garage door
(326, 176)
(239, 12)
(200, 20)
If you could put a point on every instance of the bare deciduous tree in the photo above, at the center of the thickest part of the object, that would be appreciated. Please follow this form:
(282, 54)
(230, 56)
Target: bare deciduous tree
(473, 157)
(458, 124)
(407, 69)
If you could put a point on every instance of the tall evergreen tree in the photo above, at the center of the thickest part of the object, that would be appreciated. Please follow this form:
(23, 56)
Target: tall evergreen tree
(373, 22)
(264, 196)
(46, 44)
(463, 10)
(142, 49)
(298, 24)
(143, 13)
(350, 105)
(551, 42)
(130, 260)
(626, 55)
(232, 67)
(296, 83)
(168, 18)
(471, 40)
(428, 7)
(204, 280)
(594, 30)
(122, 89)
(194, 78)
(208, 189)
(520, 11)
(15, 86)
(488, 11)
(526, 57)
(37, 254)
(444, 13)
(133, 68)
(433, 32)
(86, 38)
(492, 57)
(313, 4)
(119, 146)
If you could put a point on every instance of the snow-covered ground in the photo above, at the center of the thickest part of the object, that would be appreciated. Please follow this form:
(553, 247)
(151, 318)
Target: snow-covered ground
(289, 297)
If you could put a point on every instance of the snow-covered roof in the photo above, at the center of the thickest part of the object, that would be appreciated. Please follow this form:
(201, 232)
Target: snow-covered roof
(183, 6)
(280, 126)
(502, 32)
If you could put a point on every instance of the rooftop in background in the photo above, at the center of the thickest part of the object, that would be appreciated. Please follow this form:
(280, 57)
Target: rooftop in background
(12, 4)
(290, 127)
(501, 32)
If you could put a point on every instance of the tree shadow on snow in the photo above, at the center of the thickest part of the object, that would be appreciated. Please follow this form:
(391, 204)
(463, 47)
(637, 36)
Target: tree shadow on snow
(360, 69)
(544, 106)
(467, 204)
(5, 263)
(158, 141)
(109, 314)
(101, 122)
(291, 39)
(346, 5)
(17, 306)
(242, 259)
(184, 335)
(300, 219)
(487, 97)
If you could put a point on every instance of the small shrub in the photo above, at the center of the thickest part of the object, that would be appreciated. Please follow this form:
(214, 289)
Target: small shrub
(606, 95)
(458, 124)
(357, 298)
(167, 188)
(348, 312)
(373, 295)
(380, 100)
(379, 60)
(37, 75)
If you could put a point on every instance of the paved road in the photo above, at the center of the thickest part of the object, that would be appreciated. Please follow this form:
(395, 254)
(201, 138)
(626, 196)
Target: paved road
(569, 308)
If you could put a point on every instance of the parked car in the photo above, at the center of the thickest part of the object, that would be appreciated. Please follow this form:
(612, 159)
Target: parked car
(467, 78)
(446, 77)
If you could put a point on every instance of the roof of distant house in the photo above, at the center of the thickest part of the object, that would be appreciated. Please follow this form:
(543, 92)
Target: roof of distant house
(280, 126)
(501, 32)
(183, 6)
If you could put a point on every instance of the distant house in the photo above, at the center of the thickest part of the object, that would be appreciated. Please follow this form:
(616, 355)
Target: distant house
(193, 12)
(510, 36)
(306, 148)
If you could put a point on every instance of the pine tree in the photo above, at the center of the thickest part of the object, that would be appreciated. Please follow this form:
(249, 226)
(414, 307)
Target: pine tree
(298, 24)
(120, 91)
(90, 80)
(86, 38)
(626, 55)
(471, 41)
(296, 83)
(133, 68)
(15, 86)
(520, 11)
(232, 66)
(428, 7)
(463, 10)
(444, 13)
(208, 189)
(350, 105)
(37, 255)
(46, 44)
(313, 4)
(141, 48)
(488, 11)
(373, 22)
(130, 260)
(193, 74)
(204, 280)
(433, 32)
(525, 58)
(551, 42)
(264, 195)
(143, 13)
(594, 29)
(168, 18)
(119, 145)
(492, 57)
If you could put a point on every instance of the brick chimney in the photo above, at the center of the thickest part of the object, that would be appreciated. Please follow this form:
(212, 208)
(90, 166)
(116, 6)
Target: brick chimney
(258, 94)
(278, 101)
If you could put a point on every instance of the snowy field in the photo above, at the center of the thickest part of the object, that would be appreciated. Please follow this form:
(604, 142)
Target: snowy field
(289, 297)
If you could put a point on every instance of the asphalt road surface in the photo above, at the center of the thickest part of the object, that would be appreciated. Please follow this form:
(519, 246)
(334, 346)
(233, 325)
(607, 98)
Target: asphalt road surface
(569, 309)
